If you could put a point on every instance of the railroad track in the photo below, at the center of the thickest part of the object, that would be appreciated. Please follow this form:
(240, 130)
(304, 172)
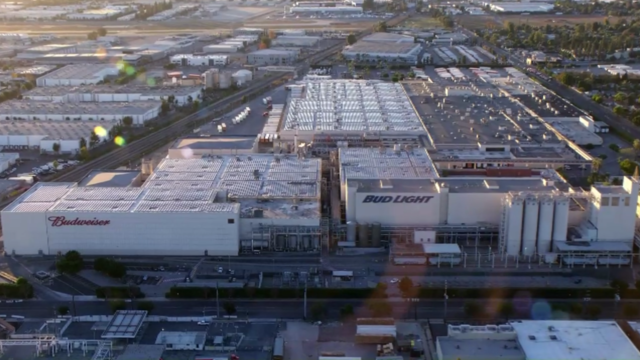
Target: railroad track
(152, 141)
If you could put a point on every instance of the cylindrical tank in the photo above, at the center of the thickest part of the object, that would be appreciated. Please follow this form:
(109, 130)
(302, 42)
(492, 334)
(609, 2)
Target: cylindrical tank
(281, 241)
(545, 225)
(363, 235)
(260, 243)
(351, 231)
(315, 242)
(225, 80)
(530, 227)
(561, 220)
(292, 242)
(514, 225)
(306, 242)
(376, 229)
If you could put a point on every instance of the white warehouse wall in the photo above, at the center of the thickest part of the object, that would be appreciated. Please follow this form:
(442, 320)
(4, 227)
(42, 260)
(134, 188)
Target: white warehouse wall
(398, 211)
(66, 146)
(471, 208)
(24, 233)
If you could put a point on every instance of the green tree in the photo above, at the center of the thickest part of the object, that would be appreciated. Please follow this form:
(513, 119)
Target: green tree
(368, 5)
(229, 308)
(351, 39)
(127, 121)
(596, 164)
(627, 166)
(597, 98)
(93, 139)
(636, 146)
(116, 270)
(82, 143)
(346, 311)
(84, 154)
(56, 147)
(101, 31)
(318, 311)
(614, 147)
(380, 27)
(92, 35)
(63, 310)
(405, 286)
(70, 263)
(101, 264)
(147, 306)
(117, 305)
(196, 104)
(472, 309)
(55, 164)
(165, 107)
(620, 98)
(506, 310)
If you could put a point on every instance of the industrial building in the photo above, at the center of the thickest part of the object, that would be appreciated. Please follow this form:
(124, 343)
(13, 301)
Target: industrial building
(42, 50)
(80, 74)
(520, 7)
(272, 57)
(41, 135)
(339, 10)
(113, 93)
(139, 111)
(221, 48)
(400, 53)
(295, 40)
(388, 38)
(534, 339)
(209, 206)
(199, 60)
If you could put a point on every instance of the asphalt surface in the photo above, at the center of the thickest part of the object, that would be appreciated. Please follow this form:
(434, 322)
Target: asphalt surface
(294, 309)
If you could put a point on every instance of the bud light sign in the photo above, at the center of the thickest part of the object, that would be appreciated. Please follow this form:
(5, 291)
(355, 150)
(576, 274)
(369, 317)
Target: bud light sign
(400, 199)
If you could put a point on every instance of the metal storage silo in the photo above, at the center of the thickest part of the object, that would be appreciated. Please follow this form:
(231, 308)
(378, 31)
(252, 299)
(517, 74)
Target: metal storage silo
(225, 80)
(376, 229)
(530, 228)
(545, 225)
(363, 235)
(292, 242)
(561, 219)
(514, 225)
(351, 231)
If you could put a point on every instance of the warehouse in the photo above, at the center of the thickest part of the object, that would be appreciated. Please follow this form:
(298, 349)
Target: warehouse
(521, 7)
(272, 57)
(291, 40)
(41, 135)
(534, 214)
(42, 50)
(209, 206)
(113, 93)
(199, 60)
(388, 38)
(341, 10)
(139, 111)
(394, 53)
(80, 74)
(221, 48)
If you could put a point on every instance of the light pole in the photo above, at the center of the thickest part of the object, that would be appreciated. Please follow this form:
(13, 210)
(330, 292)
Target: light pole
(446, 297)
(304, 315)
(217, 301)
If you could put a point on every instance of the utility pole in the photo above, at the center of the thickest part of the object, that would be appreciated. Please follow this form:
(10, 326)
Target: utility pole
(217, 301)
(304, 316)
(446, 297)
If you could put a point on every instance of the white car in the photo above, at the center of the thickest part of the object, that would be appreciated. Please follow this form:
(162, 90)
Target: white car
(203, 323)
(394, 281)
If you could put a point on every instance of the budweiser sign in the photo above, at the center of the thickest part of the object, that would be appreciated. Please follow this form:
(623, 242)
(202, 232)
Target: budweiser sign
(58, 221)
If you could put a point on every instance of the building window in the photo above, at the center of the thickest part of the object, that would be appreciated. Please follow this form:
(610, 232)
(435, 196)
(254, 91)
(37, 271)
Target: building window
(231, 221)
(627, 201)
(604, 201)
(615, 201)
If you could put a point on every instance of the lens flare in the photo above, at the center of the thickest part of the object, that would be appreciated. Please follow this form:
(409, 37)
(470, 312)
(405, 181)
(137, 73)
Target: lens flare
(119, 140)
(100, 131)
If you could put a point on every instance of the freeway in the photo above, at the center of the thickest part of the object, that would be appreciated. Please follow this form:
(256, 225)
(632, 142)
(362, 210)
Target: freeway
(294, 309)
(579, 100)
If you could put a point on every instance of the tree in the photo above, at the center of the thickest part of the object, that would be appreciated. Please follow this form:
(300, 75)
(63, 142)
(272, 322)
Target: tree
(55, 164)
(93, 139)
(368, 5)
(627, 166)
(127, 121)
(506, 310)
(56, 147)
(380, 27)
(614, 147)
(596, 164)
(82, 143)
(351, 39)
(636, 146)
(101, 264)
(318, 311)
(102, 32)
(147, 306)
(70, 263)
(597, 98)
(117, 305)
(405, 285)
(620, 110)
(63, 310)
(196, 104)
(165, 107)
(84, 154)
(472, 309)
(346, 311)
(229, 308)
(380, 308)
(619, 285)
(620, 98)
(92, 35)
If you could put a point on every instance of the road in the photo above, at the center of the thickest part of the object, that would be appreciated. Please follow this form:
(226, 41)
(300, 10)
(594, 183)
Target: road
(293, 309)
(581, 101)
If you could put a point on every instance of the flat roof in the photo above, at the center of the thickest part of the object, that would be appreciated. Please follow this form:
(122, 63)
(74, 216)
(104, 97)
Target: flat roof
(110, 178)
(596, 246)
(32, 107)
(340, 106)
(574, 340)
(271, 52)
(381, 47)
(455, 185)
(431, 248)
(573, 130)
(479, 349)
(389, 37)
(181, 337)
(142, 352)
(215, 143)
(143, 90)
(124, 324)
(373, 163)
(79, 71)
(62, 130)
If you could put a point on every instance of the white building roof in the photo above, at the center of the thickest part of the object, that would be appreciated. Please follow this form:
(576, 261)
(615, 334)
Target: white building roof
(55, 130)
(388, 37)
(32, 107)
(181, 337)
(339, 106)
(574, 340)
(371, 163)
(143, 90)
(80, 71)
